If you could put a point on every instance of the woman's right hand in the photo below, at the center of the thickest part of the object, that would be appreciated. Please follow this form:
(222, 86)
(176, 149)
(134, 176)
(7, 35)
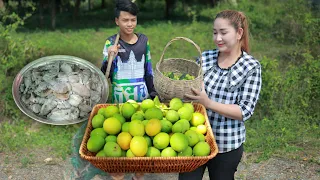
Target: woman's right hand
(200, 95)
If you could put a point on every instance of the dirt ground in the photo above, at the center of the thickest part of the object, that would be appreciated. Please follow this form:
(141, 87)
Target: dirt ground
(44, 167)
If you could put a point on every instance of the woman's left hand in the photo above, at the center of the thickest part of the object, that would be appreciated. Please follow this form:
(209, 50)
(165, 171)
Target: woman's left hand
(199, 95)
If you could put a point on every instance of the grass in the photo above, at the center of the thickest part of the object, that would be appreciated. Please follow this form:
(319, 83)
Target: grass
(26, 135)
(88, 43)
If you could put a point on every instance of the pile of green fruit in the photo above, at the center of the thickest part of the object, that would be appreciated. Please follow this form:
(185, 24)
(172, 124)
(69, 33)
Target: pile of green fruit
(178, 76)
(148, 129)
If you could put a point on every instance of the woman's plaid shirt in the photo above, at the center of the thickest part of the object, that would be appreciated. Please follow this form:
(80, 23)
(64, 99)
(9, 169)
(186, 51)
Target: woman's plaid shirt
(240, 84)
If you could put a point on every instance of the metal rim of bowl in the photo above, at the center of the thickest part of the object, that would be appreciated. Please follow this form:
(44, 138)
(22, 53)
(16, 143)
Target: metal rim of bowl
(48, 60)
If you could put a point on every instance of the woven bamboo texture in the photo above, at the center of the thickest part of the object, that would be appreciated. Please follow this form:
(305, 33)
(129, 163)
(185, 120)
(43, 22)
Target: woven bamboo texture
(147, 164)
(168, 88)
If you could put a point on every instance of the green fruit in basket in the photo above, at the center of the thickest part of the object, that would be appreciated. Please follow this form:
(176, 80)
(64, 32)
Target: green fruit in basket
(161, 140)
(129, 153)
(123, 153)
(189, 77)
(176, 77)
(202, 138)
(189, 106)
(98, 132)
(185, 113)
(110, 111)
(166, 126)
(153, 127)
(97, 121)
(197, 119)
(185, 125)
(146, 104)
(112, 125)
(193, 128)
(168, 152)
(148, 139)
(120, 118)
(192, 137)
(153, 152)
(134, 104)
(171, 75)
(139, 146)
(112, 149)
(125, 127)
(183, 76)
(95, 143)
(123, 139)
(201, 149)
(127, 110)
(138, 116)
(111, 138)
(175, 104)
(145, 122)
(186, 152)
(101, 111)
(179, 142)
(101, 153)
(153, 113)
(177, 127)
(172, 116)
(136, 128)
(202, 129)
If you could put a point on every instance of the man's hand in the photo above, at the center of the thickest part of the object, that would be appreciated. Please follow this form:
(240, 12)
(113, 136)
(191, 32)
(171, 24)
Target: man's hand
(113, 49)
(200, 96)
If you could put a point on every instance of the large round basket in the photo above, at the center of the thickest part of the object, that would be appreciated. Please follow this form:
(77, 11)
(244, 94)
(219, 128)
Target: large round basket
(148, 164)
(168, 88)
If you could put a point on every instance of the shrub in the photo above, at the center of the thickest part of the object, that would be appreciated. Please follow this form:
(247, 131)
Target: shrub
(14, 54)
(287, 111)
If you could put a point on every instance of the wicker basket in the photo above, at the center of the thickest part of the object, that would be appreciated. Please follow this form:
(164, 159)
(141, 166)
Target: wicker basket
(168, 88)
(147, 164)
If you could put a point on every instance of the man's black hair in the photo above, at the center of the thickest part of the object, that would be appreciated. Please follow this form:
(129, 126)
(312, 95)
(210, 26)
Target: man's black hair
(127, 6)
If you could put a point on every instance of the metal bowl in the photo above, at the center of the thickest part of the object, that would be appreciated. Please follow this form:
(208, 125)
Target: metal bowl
(49, 60)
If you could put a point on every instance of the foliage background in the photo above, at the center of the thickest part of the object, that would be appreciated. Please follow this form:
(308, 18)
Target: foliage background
(284, 37)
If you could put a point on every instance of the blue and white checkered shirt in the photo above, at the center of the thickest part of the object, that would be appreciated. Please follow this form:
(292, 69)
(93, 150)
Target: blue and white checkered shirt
(240, 84)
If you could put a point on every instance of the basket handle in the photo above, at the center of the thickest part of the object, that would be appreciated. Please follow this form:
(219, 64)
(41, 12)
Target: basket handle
(188, 40)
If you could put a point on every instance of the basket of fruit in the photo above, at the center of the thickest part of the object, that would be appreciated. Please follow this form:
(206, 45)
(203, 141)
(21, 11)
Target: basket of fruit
(174, 77)
(148, 137)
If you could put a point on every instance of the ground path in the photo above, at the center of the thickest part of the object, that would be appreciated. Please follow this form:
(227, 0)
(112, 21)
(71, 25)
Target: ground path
(43, 167)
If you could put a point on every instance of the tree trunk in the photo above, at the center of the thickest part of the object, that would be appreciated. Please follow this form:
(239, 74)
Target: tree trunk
(41, 17)
(76, 10)
(103, 4)
(53, 14)
(1, 4)
(59, 6)
(169, 6)
(20, 9)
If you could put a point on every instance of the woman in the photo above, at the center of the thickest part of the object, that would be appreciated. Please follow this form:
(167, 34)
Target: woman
(232, 83)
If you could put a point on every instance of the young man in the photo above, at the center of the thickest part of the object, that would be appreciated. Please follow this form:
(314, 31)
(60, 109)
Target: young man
(131, 73)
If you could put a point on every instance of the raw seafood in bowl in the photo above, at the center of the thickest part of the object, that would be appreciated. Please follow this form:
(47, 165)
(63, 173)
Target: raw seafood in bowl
(59, 89)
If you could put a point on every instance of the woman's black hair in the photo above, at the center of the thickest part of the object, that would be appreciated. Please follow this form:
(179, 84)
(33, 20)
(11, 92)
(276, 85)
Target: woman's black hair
(127, 6)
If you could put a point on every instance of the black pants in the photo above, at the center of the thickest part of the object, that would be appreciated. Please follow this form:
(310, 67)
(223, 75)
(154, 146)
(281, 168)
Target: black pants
(221, 167)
